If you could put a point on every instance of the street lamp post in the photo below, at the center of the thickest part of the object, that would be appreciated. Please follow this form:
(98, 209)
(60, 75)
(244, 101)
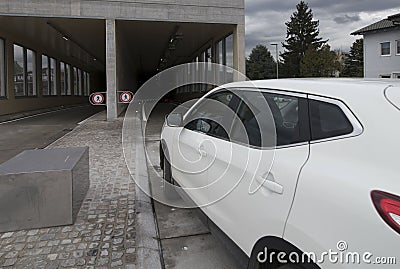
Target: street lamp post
(277, 59)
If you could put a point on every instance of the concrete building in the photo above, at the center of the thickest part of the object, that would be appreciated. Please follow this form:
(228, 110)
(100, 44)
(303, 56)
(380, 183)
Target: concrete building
(57, 52)
(382, 48)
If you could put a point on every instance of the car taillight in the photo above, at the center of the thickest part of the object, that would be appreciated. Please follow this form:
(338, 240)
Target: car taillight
(388, 207)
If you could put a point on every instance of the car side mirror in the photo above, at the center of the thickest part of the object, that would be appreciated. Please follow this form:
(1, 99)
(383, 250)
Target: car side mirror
(175, 120)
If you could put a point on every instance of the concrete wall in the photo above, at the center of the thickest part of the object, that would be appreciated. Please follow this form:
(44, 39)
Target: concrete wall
(376, 65)
(220, 11)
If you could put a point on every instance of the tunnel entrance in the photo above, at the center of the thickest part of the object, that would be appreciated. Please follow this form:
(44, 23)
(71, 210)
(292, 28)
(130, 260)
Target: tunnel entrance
(145, 48)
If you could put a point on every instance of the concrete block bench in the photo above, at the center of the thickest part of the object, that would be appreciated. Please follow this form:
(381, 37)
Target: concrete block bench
(43, 188)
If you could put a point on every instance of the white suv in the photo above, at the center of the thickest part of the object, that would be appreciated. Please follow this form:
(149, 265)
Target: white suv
(323, 182)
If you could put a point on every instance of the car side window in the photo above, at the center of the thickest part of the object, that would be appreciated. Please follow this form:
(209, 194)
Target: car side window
(212, 116)
(328, 120)
(272, 119)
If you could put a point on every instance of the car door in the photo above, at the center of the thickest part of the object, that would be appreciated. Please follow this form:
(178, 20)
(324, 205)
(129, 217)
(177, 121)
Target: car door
(193, 151)
(253, 180)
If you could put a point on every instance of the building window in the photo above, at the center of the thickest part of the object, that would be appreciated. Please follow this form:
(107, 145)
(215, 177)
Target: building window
(53, 76)
(229, 51)
(68, 79)
(49, 76)
(398, 47)
(19, 71)
(80, 82)
(24, 71)
(385, 48)
(86, 83)
(3, 92)
(31, 72)
(224, 56)
(63, 82)
(45, 75)
(75, 71)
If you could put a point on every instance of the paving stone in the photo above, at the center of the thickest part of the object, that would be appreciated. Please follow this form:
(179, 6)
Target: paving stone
(66, 229)
(47, 237)
(102, 261)
(130, 250)
(52, 257)
(11, 254)
(116, 263)
(52, 265)
(66, 241)
(9, 262)
(68, 263)
(116, 255)
(53, 243)
(32, 232)
(7, 235)
(104, 253)
(82, 246)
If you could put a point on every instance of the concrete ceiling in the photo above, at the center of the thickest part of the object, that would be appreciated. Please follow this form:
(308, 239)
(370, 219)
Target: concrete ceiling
(143, 42)
(86, 38)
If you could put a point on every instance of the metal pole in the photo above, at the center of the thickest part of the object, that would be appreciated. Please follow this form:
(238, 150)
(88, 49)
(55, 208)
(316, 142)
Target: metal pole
(277, 60)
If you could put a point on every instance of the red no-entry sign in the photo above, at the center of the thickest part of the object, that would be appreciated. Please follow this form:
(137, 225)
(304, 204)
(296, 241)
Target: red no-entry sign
(125, 97)
(97, 99)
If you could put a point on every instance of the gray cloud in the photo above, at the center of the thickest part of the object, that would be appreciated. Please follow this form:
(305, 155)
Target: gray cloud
(265, 19)
(347, 18)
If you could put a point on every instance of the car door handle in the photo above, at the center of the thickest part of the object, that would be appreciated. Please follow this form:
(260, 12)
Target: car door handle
(270, 185)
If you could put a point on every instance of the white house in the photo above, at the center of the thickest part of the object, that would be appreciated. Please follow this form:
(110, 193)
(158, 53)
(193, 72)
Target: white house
(382, 48)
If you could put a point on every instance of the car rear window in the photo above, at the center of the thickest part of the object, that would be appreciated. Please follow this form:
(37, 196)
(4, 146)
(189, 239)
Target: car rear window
(328, 120)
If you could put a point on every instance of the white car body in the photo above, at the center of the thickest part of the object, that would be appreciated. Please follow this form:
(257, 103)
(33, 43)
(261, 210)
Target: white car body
(322, 187)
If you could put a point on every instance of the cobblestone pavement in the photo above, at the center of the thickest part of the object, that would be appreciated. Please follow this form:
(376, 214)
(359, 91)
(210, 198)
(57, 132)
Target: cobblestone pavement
(103, 235)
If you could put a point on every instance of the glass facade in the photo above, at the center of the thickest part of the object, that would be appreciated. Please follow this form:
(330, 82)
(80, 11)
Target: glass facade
(73, 80)
(45, 75)
(3, 91)
(49, 75)
(75, 71)
(53, 76)
(229, 51)
(86, 83)
(224, 56)
(19, 71)
(31, 72)
(63, 90)
(68, 79)
(80, 82)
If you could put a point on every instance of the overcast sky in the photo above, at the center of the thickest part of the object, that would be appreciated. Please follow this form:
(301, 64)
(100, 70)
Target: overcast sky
(265, 19)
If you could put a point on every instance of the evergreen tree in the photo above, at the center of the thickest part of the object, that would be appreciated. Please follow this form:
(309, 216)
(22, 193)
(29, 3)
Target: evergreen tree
(302, 32)
(321, 62)
(354, 63)
(260, 64)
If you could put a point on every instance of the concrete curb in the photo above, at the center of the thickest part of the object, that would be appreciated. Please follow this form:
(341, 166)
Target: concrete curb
(147, 237)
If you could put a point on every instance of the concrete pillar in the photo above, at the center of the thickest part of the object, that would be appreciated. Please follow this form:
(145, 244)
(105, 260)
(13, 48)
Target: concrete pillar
(239, 52)
(111, 69)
